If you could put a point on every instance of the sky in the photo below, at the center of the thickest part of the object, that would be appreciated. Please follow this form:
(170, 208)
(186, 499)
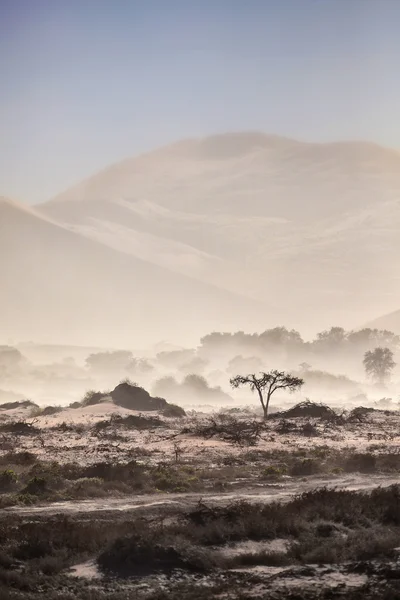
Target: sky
(85, 83)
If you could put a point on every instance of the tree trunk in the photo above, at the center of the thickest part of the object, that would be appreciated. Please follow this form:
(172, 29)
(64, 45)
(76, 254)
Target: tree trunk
(266, 407)
(262, 401)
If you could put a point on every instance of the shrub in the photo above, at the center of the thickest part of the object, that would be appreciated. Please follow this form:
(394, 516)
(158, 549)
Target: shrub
(76, 405)
(136, 556)
(36, 486)
(19, 428)
(305, 467)
(309, 430)
(308, 409)
(91, 398)
(134, 397)
(87, 487)
(51, 410)
(230, 429)
(129, 422)
(26, 498)
(364, 463)
(273, 472)
(173, 411)
(19, 458)
(8, 479)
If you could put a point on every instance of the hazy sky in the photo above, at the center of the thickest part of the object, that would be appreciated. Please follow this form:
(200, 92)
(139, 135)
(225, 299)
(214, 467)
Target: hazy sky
(87, 82)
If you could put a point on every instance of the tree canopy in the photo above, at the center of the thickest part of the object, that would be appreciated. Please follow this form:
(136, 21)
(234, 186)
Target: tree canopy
(379, 363)
(268, 383)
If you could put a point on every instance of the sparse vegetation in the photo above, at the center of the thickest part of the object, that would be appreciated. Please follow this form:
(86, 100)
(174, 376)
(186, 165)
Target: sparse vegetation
(179, 458)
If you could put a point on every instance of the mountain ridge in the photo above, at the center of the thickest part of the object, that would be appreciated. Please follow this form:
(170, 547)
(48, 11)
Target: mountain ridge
(142, 171)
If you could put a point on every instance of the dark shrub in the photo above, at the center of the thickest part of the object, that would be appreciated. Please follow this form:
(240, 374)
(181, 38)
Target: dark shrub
(139, 557)
(75, 405)
(91, 398)
(134, 397)
(36, 486)
(18, 458)
(229, 429)
(114, 471)
(309, 430)
(19, 428)
(364, 463)
(305, 467)
(129, 422)
(173, 411)
(308, 409)
(51, 410)
(18, 404)
(7, 480)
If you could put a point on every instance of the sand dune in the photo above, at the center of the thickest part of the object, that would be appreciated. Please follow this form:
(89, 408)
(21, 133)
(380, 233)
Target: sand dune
(257, 215)
(391, 322)
(61, 285)
(248, 174)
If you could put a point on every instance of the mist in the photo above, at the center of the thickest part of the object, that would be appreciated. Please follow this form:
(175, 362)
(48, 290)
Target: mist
(331, 365)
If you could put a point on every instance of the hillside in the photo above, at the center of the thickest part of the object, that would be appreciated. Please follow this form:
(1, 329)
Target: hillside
(391, 322)
(258, 215)
(249, 174)
(60, 285)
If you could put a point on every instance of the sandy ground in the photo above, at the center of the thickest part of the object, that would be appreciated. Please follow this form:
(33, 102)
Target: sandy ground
(380, 432)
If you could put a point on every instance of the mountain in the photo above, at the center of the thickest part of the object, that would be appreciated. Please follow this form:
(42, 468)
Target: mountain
(307, 227)
(249, 174)
(60, 285)
(391, 322)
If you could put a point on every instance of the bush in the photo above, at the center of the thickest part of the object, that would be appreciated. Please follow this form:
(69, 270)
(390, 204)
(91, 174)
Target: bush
(19, 458)
(229, 429)
(19, 428)
(309, 430)
(51, 410)
(8, 479)
(75, 405)
(305, 467)
(364, 463)
(36, 486)
(308, 409)
(129, 422)
(273, 472)
(91, 398)
(136, 556)
(134, 397)
(173, 411)
(87, 487)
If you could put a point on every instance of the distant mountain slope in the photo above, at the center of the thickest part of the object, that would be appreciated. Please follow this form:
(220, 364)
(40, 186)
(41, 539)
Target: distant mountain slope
(248, 174)
(301, 225)
(391, 322)
(59, 285)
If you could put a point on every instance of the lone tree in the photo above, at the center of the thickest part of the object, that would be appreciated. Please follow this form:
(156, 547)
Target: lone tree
(378, 364)
(267, 383)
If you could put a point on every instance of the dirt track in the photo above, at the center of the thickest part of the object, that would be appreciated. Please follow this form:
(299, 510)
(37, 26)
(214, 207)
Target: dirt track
(266, 493)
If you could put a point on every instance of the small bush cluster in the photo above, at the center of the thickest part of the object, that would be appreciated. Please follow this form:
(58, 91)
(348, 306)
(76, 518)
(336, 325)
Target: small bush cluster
(229, 428)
